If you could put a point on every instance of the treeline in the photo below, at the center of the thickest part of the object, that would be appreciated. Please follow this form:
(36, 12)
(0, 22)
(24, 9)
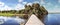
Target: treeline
(11, 11)
(35, 8)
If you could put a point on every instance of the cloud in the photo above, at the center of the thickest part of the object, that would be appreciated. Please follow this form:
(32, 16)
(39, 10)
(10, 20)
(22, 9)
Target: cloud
(19, 7)
(55, 9)
(29, 4)
(4, 7)
(21, 4)
(1, 4)
(20, 0)
(58, 1)
(24, 2)
(42, 2)
(7, 8)
(48, 5)
(36, 2)
(52, 8)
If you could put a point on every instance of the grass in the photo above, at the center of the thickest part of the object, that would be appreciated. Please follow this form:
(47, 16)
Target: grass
(6, 14)
(10, 14)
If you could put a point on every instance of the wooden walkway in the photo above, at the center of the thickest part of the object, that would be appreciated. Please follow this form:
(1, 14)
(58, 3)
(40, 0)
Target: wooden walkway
(33, 20)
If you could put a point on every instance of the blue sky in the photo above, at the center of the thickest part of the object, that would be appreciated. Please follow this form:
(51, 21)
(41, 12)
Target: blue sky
(50, 5)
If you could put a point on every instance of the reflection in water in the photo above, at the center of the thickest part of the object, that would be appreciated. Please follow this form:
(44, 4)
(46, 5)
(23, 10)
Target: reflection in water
(51, 19)
(11, 20)
(1, 21)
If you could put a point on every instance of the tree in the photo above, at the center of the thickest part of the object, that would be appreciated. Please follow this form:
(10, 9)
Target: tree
(44, 11)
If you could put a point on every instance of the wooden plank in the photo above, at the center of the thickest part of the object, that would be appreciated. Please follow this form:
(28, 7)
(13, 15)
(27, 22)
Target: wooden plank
(33, 20)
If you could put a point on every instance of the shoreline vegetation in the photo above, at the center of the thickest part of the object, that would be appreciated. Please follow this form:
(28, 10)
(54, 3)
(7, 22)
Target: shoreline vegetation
(36, 9)
(10, 14)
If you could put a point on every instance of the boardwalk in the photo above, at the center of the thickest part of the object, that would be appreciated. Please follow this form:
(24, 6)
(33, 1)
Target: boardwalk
(33, 20)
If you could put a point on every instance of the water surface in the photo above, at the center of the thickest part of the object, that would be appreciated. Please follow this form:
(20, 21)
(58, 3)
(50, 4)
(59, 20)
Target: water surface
(11, 20)
(51, 19)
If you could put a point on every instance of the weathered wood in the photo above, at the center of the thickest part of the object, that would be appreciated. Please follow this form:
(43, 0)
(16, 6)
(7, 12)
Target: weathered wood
(33, 20)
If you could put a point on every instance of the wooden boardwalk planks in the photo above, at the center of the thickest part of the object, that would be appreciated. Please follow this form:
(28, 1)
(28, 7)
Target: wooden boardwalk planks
(33, 20)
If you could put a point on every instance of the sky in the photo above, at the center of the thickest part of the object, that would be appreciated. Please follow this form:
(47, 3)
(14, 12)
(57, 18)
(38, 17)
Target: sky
(50, 5)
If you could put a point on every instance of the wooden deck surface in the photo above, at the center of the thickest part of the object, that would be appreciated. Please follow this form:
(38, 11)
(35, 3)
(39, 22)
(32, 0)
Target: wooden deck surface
(33, 20)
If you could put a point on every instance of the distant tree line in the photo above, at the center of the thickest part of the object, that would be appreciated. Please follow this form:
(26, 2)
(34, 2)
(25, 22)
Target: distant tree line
(34, 9)
(11, 11)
